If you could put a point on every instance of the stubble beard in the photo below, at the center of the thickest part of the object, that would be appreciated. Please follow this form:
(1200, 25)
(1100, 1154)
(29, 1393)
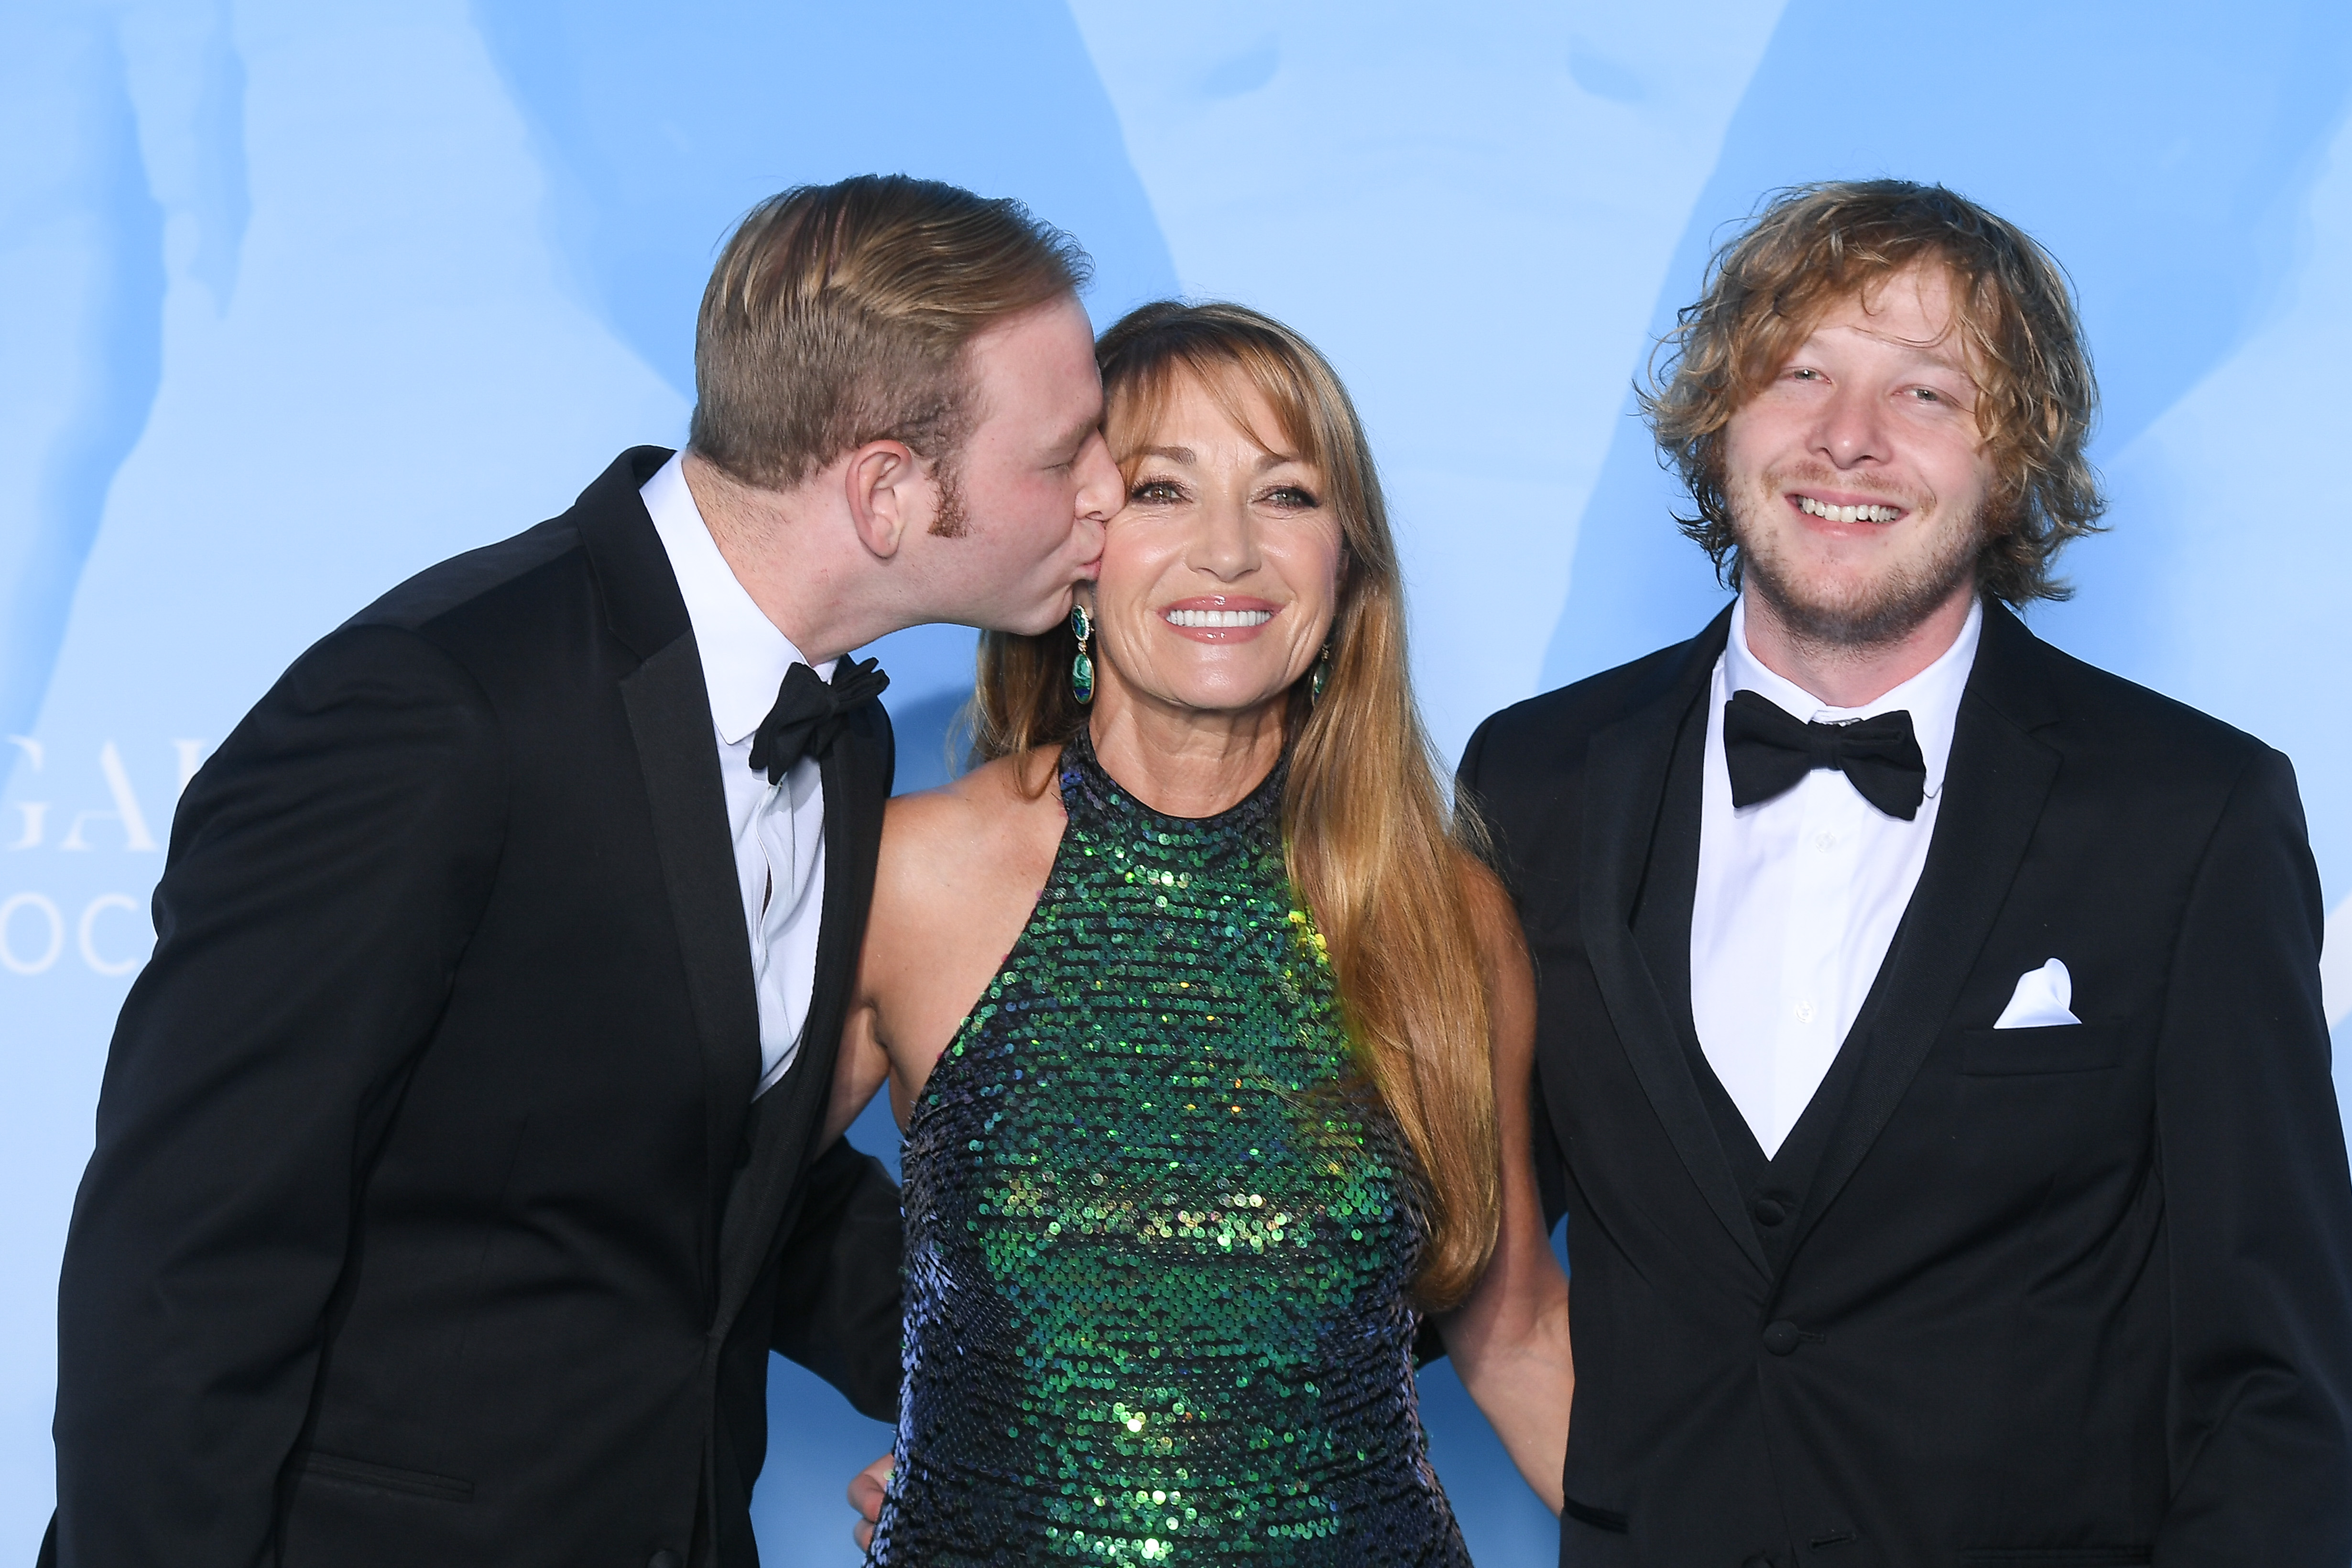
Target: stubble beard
(1854, 616)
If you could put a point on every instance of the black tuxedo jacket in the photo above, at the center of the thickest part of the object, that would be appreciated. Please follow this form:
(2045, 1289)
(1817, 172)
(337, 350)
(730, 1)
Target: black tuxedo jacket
(431, 1221)
(2071, 1295)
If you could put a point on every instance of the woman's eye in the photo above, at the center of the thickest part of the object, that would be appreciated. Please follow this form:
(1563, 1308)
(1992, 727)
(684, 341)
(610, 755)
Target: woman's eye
(1292, 498)
(1155, 493)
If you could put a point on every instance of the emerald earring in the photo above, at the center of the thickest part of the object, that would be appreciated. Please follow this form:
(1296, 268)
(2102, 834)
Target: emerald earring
(1082, 669)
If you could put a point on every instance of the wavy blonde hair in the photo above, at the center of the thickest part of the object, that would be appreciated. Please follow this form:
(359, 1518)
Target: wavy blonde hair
(1814, 246)
(1365, 824)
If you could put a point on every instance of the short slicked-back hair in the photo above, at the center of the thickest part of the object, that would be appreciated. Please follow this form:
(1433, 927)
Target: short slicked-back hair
(1812, 247)
(838, 315)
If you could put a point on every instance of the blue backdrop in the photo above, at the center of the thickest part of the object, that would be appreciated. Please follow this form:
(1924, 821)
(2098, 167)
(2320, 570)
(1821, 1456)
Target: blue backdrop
(299, 295)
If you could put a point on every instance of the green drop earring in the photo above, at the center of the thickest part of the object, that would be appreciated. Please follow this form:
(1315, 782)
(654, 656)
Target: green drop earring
(1322, 675)
(1082, 669)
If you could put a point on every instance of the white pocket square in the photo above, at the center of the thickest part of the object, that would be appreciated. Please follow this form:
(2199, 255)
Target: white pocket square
(2042, 998)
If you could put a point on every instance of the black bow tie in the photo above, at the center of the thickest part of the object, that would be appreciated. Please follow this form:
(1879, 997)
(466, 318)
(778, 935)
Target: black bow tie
(809, 715)
(1769, 753)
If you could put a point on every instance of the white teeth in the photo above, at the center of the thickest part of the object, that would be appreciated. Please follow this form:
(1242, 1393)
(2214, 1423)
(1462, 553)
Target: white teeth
(1219, 618)
(1848, 513)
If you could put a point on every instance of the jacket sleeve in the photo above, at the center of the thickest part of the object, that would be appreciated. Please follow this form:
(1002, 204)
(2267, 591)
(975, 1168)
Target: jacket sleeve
(327, 868)
(837, 1306)
(2258, 1207)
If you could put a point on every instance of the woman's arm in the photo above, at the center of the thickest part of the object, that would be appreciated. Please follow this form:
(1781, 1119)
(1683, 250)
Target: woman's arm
(863, 1063)
(862, 1066)
(960, 871)
(1510, 1339)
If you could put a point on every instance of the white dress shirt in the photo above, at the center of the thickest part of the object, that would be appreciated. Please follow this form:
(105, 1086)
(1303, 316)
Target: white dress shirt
(778, 829)
(1799, 896)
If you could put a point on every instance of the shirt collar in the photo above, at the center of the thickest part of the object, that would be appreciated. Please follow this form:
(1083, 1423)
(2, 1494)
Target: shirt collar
(1932, 697)
(744, 657)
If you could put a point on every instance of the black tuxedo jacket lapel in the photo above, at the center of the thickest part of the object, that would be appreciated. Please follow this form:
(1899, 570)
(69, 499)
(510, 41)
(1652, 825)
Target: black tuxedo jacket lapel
(668, 707)
(858, 773)
(1626, 774)
(1995, 785)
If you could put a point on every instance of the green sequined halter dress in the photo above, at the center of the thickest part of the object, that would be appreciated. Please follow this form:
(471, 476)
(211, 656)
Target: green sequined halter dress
(1157, 1239)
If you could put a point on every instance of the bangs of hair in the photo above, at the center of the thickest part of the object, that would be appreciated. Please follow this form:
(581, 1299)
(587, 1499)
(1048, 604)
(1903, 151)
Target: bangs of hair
(1138, 404)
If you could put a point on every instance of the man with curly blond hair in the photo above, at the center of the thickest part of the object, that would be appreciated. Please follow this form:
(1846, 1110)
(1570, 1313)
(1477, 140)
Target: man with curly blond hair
(1931, 1061)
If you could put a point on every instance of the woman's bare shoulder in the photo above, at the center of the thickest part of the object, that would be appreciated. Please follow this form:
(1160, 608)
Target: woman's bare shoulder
(991, 797)
(989, 819)
(960, 871)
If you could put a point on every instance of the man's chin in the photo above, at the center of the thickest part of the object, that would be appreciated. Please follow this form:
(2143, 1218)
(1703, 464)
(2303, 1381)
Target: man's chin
(1862, 621)
(1845, 604)
(1036, 622)
(1852, 611)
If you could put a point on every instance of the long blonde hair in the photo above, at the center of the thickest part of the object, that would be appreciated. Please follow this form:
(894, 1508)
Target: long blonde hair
(1365, 825)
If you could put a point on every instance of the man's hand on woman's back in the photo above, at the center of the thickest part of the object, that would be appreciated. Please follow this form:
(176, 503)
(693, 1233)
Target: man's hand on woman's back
(866, 1497)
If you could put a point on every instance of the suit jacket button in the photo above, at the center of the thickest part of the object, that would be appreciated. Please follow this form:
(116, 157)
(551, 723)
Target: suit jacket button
(1769, 1210)
(664, 1558)
(1780, 1338)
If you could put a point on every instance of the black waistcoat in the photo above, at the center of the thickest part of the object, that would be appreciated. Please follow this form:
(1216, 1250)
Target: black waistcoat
(1773, 1191)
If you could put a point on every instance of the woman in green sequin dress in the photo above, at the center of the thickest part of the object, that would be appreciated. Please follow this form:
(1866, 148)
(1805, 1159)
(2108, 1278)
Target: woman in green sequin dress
(1196, 1021)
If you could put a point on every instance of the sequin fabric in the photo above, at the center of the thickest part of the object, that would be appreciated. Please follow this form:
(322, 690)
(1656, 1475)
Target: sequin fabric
(1157, 1246)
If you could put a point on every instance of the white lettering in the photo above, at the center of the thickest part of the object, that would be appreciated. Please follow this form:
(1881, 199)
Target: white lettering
(35, 810)
(40, 905)
(126, 807)
(84, 932)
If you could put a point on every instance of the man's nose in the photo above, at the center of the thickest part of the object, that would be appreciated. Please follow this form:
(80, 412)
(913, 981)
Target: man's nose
(1101, 488)
(1852, 428)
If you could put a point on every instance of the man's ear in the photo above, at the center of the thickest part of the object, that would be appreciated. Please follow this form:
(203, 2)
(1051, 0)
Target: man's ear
(883, 484)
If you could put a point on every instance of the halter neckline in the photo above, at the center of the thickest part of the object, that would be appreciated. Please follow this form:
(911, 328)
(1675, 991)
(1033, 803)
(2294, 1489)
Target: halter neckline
(1085, 779)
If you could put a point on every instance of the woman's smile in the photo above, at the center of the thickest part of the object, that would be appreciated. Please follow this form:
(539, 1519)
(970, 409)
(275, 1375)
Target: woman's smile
(1218, 578)
(1219, 618)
